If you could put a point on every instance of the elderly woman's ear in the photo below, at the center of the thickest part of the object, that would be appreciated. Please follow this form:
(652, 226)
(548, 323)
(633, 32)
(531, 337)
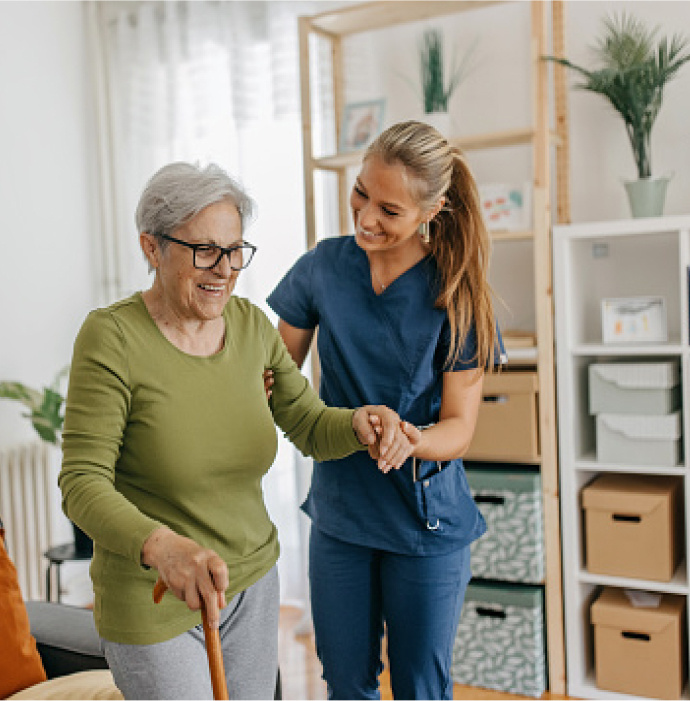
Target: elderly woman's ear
(149, 246)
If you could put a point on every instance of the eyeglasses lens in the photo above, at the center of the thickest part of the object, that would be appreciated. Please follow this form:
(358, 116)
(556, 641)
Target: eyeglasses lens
(207, 257)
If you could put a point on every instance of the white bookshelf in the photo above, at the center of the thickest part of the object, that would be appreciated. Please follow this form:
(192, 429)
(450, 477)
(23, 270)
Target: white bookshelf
(634, 257)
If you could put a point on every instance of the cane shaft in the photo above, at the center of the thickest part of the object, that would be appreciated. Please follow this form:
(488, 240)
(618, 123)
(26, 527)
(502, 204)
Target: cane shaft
(214, 651)
(215, 658)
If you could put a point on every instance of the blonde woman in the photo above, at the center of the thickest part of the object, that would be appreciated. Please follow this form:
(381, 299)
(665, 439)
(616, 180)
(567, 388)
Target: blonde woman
(405, 319)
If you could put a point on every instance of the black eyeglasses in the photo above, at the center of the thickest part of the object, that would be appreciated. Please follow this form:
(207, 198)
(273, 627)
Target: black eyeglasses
(208, 255)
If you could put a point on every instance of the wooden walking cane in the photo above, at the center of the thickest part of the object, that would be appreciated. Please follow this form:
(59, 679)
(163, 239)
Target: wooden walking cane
(213, 649)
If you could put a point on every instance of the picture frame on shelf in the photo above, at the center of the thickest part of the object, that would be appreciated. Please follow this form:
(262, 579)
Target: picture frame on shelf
(634, 320)
(362, 123)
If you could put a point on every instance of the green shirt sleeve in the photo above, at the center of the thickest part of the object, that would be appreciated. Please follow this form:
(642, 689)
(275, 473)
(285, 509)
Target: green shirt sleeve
(324, 433)
(98, 403)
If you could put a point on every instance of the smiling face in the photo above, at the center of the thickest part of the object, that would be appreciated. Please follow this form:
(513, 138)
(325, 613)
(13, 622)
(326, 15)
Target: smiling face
(384, 210)
(189, 293)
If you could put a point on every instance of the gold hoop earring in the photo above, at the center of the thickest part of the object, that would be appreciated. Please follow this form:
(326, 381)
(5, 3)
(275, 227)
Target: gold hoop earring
(423, 232)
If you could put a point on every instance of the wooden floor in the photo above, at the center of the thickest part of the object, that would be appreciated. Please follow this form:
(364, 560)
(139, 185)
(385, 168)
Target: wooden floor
(301, 671)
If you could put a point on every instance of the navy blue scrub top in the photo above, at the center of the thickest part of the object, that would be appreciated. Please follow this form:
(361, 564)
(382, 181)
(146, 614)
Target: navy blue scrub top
(380, 349)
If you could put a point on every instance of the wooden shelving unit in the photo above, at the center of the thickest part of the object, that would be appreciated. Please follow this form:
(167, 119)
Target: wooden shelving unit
(547, 137)
(642, 257)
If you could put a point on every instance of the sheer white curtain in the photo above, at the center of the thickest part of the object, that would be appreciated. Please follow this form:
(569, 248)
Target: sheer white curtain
(208, 82)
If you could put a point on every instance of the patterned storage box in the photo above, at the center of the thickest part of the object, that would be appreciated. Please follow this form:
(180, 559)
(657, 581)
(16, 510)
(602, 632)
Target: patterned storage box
(512, 549)
(500, 640)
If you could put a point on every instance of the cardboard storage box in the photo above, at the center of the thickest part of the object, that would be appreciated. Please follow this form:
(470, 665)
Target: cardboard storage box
(639, 440)
(507, 425)
(500, 639)
(512, 549)
(640, 650)
(633, 525)
(634, 388)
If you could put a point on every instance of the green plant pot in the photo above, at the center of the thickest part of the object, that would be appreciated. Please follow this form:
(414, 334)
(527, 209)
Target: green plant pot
(647, 196)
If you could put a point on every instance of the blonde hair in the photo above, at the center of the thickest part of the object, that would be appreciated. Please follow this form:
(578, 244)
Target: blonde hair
(459, 239)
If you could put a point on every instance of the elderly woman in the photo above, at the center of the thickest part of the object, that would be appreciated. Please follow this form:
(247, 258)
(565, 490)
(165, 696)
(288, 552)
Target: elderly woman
(168, 433)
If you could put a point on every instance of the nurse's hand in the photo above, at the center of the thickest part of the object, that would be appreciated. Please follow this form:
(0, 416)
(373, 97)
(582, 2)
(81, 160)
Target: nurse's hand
(189, 571)
(392, 446)
(402, 448)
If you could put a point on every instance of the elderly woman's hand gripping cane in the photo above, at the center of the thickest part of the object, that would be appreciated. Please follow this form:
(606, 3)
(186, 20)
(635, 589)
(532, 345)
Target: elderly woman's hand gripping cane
(199, 577)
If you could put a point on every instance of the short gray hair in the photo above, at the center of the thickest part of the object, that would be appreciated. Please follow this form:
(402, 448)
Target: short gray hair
(179, 191)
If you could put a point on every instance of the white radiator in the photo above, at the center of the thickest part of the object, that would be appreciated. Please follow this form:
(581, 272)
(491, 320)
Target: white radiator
(28, 495)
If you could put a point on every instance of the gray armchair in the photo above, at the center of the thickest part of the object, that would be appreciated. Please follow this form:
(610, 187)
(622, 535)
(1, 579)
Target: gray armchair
(66, 638)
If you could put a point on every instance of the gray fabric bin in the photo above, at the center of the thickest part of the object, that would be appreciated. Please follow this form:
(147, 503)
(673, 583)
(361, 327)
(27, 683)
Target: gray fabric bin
(639, 440)
(634, 388)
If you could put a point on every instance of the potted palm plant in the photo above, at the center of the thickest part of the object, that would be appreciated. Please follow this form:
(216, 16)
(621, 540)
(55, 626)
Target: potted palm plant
(634, 70)
(45, 411)
(436, 91)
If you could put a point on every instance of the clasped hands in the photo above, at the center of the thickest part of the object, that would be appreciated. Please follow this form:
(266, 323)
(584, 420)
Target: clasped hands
(390, 440)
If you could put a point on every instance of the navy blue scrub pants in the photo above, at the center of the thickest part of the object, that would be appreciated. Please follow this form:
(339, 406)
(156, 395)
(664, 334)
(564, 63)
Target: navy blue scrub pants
(355, 589)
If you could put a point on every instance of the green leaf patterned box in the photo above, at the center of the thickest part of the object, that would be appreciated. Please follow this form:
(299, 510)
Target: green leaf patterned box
(512, 549)
(500, 640)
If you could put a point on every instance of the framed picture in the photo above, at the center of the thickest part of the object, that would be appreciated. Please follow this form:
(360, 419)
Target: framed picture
(634, 320)
(362, 123)
(506, 207)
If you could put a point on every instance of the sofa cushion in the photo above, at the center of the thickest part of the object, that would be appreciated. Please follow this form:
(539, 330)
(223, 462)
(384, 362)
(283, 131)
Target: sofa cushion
(20, 663)
(95, 684)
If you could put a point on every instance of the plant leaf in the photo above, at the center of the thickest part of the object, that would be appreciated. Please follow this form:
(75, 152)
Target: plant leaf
(45, 408)
(31, 398)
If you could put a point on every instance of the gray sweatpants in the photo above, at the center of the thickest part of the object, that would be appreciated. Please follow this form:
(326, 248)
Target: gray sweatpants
(178, 668)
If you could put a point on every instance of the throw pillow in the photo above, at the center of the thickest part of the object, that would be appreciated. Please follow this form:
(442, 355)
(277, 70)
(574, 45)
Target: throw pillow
(20, 663)
(93, 684)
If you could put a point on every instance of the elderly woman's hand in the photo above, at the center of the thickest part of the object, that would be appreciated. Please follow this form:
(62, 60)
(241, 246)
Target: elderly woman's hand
(189, 571)
(390, 440)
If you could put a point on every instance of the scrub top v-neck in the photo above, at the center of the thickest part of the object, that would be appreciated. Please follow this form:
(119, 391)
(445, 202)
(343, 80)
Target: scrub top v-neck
(388, 348)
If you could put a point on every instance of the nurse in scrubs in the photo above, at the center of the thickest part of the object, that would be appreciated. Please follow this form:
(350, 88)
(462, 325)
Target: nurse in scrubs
(405, 319)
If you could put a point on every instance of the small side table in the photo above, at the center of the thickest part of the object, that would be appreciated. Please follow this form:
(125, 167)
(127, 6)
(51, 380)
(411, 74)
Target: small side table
(56, 557)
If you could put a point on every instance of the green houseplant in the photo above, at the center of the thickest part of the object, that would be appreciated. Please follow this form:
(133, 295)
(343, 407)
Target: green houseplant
(634, 70)
(436, 90)
(45, 406)
(46, 413)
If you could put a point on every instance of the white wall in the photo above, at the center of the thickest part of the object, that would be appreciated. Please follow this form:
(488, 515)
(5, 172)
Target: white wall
(47, 271)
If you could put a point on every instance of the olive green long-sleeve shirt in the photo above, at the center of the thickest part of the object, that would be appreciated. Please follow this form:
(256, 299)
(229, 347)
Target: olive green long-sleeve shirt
(155, 436)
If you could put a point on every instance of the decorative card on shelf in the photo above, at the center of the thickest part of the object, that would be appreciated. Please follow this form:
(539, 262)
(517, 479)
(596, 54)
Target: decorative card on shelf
(506, 207)
(634, 320)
